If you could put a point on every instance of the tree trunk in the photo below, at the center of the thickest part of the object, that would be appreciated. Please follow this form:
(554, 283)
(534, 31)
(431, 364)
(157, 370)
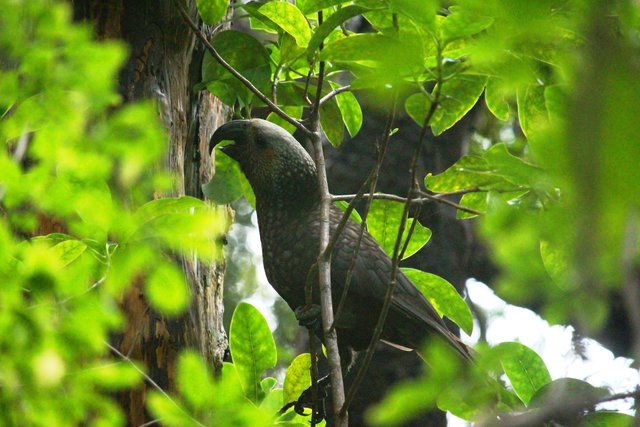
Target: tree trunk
(164, 65)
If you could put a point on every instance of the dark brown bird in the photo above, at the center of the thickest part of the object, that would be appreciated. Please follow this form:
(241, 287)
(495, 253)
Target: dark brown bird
(284, 179)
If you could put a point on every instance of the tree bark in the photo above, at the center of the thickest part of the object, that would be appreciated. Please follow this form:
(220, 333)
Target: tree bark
(164, 65)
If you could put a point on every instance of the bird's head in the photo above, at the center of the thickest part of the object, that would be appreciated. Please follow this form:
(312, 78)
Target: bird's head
(273, 161)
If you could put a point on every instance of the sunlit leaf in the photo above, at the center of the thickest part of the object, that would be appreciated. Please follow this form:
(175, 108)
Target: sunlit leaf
(350, 111)
(335, 19)
(311, 6)
(167, 289)
(443, 296)
(458, 96)
(476, 201)
(252, 348)
(494, 97)
(194, 380)
(524, 368)
(355, 216)
(69, 250)
(532, 110)
(462, 23)
(289, 19)
(212, 11)
(295, 112)
(297, 378)
(331, 122)
(383, 223)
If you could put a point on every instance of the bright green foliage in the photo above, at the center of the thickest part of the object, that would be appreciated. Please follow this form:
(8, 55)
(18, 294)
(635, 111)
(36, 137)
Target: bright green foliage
(75, 159)
(298, 378)
(524, 368)
(252, 347)
(212, 11)
(383, 223)
(443, 296)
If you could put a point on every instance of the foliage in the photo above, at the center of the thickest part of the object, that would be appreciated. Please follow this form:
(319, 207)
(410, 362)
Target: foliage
(556, 201)
(78, 162)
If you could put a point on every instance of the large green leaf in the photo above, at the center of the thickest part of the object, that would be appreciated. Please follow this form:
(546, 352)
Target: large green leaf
(194, 380)
(349, 110)
(331, 122)
(212, 11)
(462, 23)
(458, 95)
(524, 368)
(443, 296)
(252, 348)
(247, 56)
(532, 109)
(288, 18)
(495, 98)
(383, 223)
(167, 289)
(336, 19)
(297, 378)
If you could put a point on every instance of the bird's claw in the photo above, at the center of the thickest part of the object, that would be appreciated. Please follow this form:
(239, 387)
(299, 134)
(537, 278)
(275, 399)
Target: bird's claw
(308, 316)
(306, 401)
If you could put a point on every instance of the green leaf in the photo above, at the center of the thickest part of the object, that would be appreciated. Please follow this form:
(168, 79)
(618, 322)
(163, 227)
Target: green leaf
(295, 112)
(476, 201)
(297, 378)
(417, 107)
(497, 170)
(422, 12)
(457, 97)
(310, 6)
(336, 19)
(331, 122)
(167, 290)
(268, 384)
(350, 111)
(194, 380)
(443, 296)
(112, 376)
(495, 98)
(524, 368)
(462, 23)
(532, 109)
(355, 216)
(289, 19)
(606, 419)
(252, 348)
(383, 223)
(162, 407)
(245, 54)
(69, 250)
(228, 183)
(212, 11)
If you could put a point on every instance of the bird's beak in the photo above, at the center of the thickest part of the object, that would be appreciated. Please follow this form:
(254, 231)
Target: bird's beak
(235, 131)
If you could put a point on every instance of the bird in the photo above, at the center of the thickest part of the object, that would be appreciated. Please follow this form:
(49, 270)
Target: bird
(284, 179)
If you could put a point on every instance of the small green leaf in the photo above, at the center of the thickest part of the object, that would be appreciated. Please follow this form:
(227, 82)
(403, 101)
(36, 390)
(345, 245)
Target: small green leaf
(350, 111)
(252, 348)
(331, 122)
(422, 12)
(268, 384)
(383, 223)
(606, 419)
(297, 379)
(524, 368)
(228, 183)
(310, 6)
(163, 408)
(112, 376)
(417, 107)
(532, 109)
(212, 11)
(462, 23)
(355, 216)
(245, 54)
(495, 99)
(167, 290)
(295, 112)
(336, 19)
(289, 19)
(194, 380)
(69, 250)
(476, 201)
(457, 97)
(443, 296)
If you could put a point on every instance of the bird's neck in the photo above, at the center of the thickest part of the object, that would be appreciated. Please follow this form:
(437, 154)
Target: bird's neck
(293, 194)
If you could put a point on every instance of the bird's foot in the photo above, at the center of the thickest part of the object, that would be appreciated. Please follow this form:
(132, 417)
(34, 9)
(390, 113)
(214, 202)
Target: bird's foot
(306, 401)
(309, 316)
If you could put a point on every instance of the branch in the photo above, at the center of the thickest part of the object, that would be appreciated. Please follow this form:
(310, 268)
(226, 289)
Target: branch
(333, 93)
(152, 382)
(236, 73)
(324, 258)
(426, 197)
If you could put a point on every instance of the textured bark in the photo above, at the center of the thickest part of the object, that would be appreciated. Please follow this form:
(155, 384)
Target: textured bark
(164, 65)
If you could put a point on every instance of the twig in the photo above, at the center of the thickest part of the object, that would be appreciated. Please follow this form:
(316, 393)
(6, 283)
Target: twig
(426, 197)
(151, 381)
(236, 73)
(324, 258)
(333, 93)
(377, 333)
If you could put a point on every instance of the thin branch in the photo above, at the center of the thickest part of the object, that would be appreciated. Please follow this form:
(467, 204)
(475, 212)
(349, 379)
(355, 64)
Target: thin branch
(151, 381)
(236, 73)
(333, 93)
(324, 258)
(377, 333)
(426, 197)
